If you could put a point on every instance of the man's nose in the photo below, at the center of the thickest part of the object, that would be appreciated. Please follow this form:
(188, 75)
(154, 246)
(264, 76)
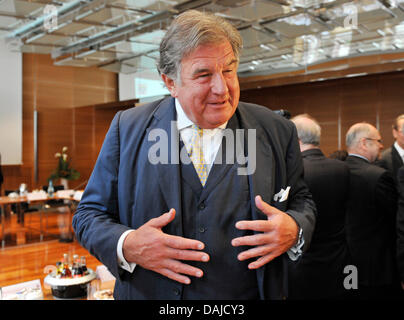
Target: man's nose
(219, 84)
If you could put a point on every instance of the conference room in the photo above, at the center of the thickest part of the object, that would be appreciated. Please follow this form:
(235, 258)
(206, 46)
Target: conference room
(72, 70)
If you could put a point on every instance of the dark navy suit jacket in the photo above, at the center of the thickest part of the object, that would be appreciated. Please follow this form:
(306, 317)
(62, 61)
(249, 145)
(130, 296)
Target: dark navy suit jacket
(319, 274)
(126, 190)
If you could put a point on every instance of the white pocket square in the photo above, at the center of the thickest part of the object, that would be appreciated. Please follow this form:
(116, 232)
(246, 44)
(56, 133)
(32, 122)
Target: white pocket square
(282, 195)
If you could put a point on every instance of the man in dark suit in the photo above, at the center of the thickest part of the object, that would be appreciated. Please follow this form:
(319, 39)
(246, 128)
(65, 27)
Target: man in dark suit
(161, 210)
(319, 274)
(393, 158)
(400, 226)
(371, 214)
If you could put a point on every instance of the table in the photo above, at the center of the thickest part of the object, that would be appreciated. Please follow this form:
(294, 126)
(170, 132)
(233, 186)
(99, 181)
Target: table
(92, 287)
(71, 202)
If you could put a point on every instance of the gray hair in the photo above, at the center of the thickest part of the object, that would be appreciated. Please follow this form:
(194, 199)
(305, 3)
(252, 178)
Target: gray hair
(308, 129)
(189, 30)
(356, 132)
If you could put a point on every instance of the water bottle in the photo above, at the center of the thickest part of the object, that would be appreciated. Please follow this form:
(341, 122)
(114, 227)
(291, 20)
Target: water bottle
(51, 190)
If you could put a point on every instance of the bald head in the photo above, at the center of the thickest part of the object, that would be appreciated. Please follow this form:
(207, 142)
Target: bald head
(365, 140)
(308, 131)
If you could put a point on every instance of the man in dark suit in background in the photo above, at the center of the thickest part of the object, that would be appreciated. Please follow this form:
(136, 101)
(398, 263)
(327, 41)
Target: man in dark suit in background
(400, 226)
(159, 219)
(393, 158)
(371, 215)
(319, 274)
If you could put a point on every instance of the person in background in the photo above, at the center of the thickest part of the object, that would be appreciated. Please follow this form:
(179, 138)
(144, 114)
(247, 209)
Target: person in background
(371, 215)
(393, 158)
(339, 155)
(400, 227)
(319, 274)
(187, 227)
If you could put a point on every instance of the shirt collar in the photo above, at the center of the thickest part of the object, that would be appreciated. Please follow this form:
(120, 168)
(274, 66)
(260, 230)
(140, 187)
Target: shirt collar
(399, 149)
(359, 156)
(183, 121)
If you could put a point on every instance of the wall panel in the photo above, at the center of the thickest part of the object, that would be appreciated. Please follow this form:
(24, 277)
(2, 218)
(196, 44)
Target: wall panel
(55, 91)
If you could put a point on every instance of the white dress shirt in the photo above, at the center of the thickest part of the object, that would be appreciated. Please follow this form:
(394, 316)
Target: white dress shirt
(212, 139)
(399, 150)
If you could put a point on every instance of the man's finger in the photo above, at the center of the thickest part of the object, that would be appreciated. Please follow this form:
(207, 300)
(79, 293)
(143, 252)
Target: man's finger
(267, 209)
(255, 225)
(187, 255)
(182, 268)
(255, 252)
(254, 240)
(175, 276)
(262, 261)
(178, 242)
(162, 220)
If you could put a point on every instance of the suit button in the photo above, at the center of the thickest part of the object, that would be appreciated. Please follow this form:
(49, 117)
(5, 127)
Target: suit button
(176, 291)
(202, 206)
(202, 229)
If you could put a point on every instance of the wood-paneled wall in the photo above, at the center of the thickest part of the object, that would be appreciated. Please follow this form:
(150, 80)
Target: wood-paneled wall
(55, 92)
(338, 104)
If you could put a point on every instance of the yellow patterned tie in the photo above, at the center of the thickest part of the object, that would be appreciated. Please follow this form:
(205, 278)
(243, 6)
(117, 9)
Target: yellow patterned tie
(196, 154)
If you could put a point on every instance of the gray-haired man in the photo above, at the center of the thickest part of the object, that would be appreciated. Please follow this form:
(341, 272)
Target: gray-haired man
(371, 215)
(157, 226)
(319, 274)
(393, 158)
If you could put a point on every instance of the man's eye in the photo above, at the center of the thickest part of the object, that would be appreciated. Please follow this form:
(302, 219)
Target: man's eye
(228, 71)
(204, 75)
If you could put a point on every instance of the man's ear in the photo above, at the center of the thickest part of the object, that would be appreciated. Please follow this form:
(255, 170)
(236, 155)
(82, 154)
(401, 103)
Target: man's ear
(395, 133)
(363, 143)
(170, 84)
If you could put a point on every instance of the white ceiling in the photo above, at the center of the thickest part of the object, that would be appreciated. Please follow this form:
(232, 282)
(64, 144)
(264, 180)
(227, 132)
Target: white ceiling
(279, 35)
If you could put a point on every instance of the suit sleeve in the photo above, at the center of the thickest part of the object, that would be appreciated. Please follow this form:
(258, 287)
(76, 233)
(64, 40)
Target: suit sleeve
(301, 206)
(96, 221)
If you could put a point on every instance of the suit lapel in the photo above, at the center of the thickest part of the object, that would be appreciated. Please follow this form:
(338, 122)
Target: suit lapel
(261, 179)
(261, 158)
(169, 173)
(396, 160)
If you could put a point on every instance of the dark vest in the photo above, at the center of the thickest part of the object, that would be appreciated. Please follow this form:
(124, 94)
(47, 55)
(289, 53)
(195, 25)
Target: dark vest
(209, 215)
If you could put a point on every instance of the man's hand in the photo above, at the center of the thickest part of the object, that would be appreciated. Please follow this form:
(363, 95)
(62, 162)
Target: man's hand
(151, 248)
(279, 233)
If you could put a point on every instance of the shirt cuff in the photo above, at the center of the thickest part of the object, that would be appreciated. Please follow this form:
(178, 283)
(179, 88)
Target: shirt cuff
(125, 265)
(296, 251)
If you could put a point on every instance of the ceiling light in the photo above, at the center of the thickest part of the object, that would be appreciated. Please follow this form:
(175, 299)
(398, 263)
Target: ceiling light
(263, 46)
(381, 32)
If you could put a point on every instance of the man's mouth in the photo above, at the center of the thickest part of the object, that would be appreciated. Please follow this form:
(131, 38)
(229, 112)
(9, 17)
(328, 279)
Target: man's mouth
(218, 103)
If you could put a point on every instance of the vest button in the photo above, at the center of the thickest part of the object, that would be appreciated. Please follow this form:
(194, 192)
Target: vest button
(202, 229)
(202, 206)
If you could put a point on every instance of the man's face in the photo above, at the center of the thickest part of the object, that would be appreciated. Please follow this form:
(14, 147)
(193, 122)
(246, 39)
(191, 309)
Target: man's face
(399, 134)
(209, 91)
(373, 145)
